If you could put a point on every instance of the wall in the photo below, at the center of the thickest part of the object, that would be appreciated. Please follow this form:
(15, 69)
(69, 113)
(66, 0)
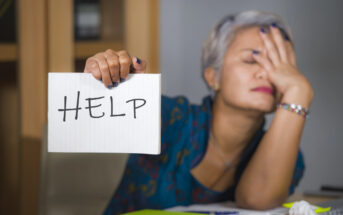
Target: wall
(317, 28)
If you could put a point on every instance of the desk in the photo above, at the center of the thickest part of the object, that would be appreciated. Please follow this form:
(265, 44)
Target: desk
(310, 199)
(230, 206)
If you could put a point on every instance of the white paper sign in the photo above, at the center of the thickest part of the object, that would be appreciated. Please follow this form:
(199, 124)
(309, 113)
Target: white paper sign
(85, 116)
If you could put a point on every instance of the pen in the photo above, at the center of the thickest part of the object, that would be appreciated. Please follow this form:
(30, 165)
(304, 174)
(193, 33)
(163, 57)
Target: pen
(216, 212)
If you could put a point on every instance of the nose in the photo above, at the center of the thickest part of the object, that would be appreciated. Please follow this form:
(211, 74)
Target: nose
(261, 73)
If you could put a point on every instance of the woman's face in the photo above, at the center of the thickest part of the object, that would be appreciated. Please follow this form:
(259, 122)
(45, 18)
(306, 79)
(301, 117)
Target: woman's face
(244, 83)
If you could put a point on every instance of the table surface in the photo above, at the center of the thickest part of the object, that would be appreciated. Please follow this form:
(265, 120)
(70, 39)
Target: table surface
(310, 199)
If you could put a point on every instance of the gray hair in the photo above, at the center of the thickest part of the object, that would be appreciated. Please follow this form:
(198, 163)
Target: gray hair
(224, 31)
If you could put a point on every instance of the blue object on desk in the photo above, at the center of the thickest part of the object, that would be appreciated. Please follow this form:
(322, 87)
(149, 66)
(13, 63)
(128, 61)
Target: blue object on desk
(215, 212)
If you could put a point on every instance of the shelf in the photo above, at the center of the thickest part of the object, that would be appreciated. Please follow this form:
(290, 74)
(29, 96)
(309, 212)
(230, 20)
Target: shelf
(8, 52)
(86, 49)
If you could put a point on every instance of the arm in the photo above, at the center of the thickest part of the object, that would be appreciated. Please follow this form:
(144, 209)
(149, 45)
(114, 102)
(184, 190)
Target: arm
(265, 182)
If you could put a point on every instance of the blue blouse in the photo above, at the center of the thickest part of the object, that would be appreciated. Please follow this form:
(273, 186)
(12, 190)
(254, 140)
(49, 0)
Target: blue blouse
(162, 181)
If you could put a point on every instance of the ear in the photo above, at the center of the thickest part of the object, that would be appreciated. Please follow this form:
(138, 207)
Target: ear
(211, 78)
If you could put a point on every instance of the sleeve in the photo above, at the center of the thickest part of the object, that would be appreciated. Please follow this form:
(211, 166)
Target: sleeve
(124, 198)
(298, 172)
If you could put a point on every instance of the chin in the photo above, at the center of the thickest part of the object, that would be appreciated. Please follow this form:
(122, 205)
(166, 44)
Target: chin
(263, 104)
(265, 107)
(265, 110)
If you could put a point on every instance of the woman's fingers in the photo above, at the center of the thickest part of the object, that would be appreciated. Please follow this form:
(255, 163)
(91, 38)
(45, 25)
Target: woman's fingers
(93, 68)
(104, 69)
(113, 67)
(291, 53)
(125, 62)
(273, 53)
(113, 64)
(138, 65)
(263, 61)
(279, 42)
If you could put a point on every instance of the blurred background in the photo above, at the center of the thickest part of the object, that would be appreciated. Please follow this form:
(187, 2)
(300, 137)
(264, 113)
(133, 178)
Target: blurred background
(41, 36)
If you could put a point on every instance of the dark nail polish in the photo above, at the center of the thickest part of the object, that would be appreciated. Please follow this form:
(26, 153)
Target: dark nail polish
(122, 79)
(110, 87)
(254, 52)
(262, 30)
(115, 84)
(286, 37)
(139, 60)
(274, 25)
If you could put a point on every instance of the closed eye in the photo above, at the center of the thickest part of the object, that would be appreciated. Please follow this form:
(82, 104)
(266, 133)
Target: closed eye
(250, 61)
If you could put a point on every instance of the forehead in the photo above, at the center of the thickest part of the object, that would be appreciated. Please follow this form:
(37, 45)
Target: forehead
(246, 38)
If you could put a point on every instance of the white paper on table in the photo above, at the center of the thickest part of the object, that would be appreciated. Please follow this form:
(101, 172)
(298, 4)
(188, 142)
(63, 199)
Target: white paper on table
(138, 131)
(228, 207)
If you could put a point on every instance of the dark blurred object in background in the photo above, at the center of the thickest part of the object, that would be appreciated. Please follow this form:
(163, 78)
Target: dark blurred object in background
(87, 19)
(7, 21)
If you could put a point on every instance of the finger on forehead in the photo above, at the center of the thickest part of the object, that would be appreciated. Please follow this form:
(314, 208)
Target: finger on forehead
(270, 46)
(263, 61)
(279, 42)
(291, 53)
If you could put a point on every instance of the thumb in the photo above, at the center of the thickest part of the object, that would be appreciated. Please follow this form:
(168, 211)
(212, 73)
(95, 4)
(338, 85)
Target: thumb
(138, 65)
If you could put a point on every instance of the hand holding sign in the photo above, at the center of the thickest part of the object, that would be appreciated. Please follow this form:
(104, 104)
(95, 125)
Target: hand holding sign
(113, 67)
(83, 116)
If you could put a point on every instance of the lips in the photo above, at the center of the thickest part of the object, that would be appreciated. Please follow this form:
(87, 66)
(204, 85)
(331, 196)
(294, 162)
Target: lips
(267, 90)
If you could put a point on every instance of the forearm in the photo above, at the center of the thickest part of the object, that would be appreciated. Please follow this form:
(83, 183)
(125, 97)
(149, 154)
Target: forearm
(267, 178)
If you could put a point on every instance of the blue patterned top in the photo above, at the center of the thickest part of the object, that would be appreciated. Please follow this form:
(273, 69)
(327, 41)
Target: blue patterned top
(162, 181)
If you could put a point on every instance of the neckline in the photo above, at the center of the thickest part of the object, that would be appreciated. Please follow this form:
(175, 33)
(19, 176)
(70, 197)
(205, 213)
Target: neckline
(206, 105)
(207, 189)
(207, 108)
(244, 155)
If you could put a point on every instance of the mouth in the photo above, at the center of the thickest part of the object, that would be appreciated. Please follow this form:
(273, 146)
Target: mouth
(267, 90)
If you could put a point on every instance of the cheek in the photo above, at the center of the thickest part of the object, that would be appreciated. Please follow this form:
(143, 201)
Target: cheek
(235, 80)
(235, 85)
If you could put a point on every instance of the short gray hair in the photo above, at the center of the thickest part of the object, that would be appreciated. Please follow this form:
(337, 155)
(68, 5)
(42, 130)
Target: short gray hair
(224, 31)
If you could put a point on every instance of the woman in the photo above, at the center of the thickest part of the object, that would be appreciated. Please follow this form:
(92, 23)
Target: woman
(219, 151)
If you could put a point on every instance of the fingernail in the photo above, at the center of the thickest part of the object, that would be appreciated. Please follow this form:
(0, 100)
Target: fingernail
(262, 30)
(274, 25)
(122, 79)
(286, 37)
(254, 52)
(138, 60)
(110, 87)
(115, 84)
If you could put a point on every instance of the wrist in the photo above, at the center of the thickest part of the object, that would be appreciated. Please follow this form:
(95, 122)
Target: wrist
(300, 95)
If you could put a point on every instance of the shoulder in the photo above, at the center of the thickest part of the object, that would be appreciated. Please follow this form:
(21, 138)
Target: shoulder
(181, 105)
(178, 109)
(170, 103)
(174, 109)
(182, 122)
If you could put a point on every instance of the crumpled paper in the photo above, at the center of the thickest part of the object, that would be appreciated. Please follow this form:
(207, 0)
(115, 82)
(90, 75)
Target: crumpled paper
(302, 208)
